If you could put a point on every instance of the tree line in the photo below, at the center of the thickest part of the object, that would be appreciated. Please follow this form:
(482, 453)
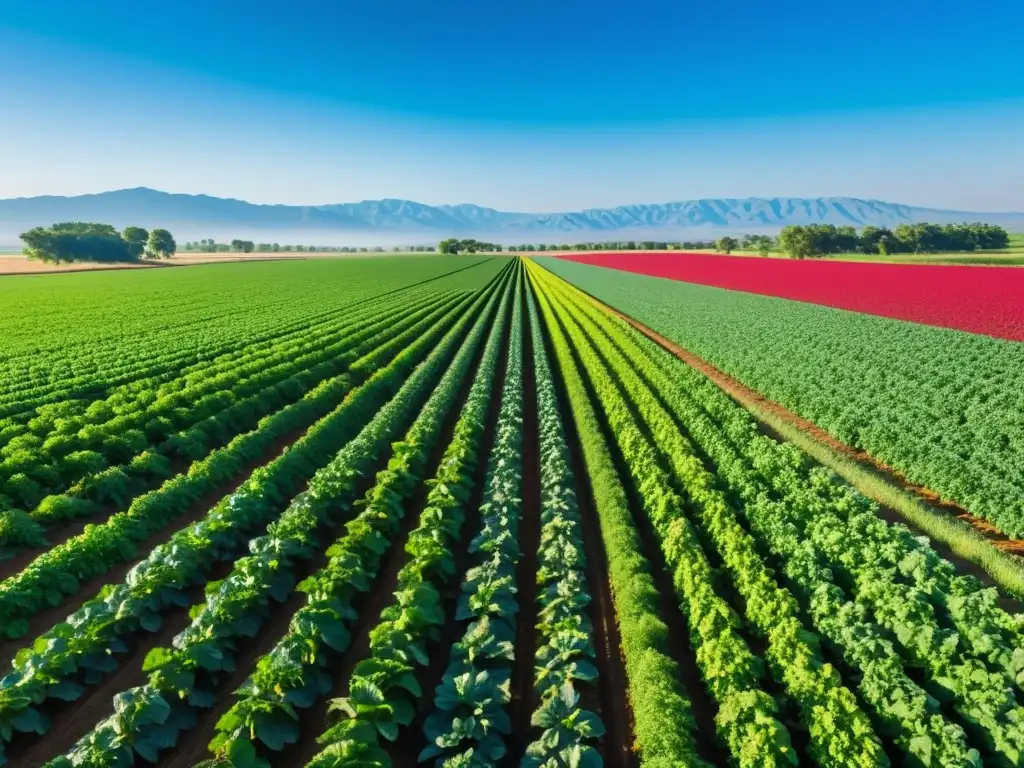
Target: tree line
(210, 245)
(810, 240)
(81, 241)
(453, 245)
(619, 245)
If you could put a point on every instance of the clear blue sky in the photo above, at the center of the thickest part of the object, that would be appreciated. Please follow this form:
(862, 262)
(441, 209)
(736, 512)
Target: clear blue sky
(518, 104)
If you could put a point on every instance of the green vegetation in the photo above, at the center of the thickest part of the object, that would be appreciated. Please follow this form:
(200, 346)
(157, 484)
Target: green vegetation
(209, 245)
(881, 599)
(453, 245)
(935, 404)
(379, 703)
(75, 241)
(340, 530)
(812, 240)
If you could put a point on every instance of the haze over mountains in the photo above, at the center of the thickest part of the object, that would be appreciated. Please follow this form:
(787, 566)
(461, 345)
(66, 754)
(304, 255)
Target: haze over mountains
(399, 222)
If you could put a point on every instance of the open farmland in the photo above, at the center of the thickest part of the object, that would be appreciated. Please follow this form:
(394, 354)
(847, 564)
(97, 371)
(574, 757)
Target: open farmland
(943, 407)
(453, 511)
(970, 298)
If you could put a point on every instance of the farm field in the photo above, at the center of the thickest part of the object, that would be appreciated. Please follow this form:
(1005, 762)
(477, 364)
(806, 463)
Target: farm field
(942, 407)
(970, 298)
(14, 263)
(452, 511)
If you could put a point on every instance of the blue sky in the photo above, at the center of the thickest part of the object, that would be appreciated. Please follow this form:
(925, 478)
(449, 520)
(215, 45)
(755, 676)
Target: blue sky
(523, 104)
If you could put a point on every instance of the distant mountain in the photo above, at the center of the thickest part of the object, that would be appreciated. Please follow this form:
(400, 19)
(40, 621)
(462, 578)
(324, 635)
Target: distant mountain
(402, 221)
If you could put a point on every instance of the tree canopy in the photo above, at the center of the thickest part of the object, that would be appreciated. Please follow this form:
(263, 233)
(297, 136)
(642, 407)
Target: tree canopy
(806, 241)
(727, 244)
(453, 245)
(82, 241)
(161, 244)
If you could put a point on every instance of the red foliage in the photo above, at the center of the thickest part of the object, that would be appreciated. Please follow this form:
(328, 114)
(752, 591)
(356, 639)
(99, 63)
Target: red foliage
(987, 300)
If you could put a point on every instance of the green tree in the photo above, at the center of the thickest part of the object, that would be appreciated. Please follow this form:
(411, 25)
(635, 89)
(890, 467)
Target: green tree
(796, 241)
(450, 246)
(727, 244)
(871, 237)
(136, 238)
(160, 245)
(76, 241)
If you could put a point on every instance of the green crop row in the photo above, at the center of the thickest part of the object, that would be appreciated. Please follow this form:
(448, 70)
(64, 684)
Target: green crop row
(748, 719)
(59, 449)
(119, 485)
(60, 570)
(469, 716)
(566, 652)
(840, 732)
(85, 645)
(662, 721)
(944, 408)
(296, 672)
(383, 688)
(186, 676)
(67, 337)
(826, 534)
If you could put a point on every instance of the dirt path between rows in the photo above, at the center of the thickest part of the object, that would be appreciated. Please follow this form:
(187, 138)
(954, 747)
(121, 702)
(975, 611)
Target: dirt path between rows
(752, 399)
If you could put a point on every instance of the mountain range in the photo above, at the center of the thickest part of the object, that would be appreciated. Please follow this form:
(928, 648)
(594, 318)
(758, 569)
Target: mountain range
(404, 221)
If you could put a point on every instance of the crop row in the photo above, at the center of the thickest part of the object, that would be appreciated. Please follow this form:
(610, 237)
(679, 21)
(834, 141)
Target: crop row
(566, 653)
(60, 570)
(910, 608)
(117, 397)
(469, 717)
(74, 339)
(748, 723)
(943, 407)
(187, 677)
(297, 671)
(384, 689)
(117, 485)
(840, 732)
(663, 724)
(86, 643)
(58, 447)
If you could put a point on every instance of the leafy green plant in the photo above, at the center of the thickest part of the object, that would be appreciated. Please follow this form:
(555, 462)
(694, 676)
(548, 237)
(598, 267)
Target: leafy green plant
(414, 618)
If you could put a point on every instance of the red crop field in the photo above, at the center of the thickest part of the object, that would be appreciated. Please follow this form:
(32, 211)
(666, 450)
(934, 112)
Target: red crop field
(987, 300)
